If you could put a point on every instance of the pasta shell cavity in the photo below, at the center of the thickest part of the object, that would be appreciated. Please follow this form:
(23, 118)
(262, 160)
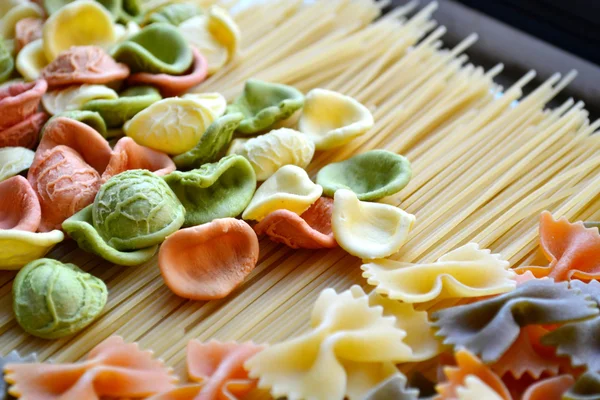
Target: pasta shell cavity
(18, 11)
(331, 119)
(74, 97)
(371, 175)
(217, 190)
(215, 34)
(158, 48)
(174, 125)
(14, 160)
(52, 299)
(467, 271)
(19, 205)
(83, 22)
(208, 261)
(267, 153)
(31, 60)
(21, 247)
(369, 230)
(263, 104)
(289, 188)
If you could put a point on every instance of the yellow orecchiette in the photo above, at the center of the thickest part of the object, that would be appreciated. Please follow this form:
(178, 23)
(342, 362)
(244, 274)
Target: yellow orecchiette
(83, 22)
(352, 344)
(267, 153)
(215, 34)
(18, 11)
(289, 188)
(74, 97)
(175, 125)
(332, 119)
(368, 230)
(467, 271)
(18, 248)
(31, 60)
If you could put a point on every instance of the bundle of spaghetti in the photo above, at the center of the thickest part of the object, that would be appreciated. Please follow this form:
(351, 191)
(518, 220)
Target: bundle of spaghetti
(483, 169)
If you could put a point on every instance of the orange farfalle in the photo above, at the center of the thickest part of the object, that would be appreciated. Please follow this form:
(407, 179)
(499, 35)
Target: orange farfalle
(19, 205)
(19, 101)
(572, 249)
(24, 133)
(311, 230)
(208, 261)
(84, 64)
(27, 30)
(528, 356)
(469, 365)
(219, 368)
(127, 155)
(549, 389)
(174, 85)
(113, 368)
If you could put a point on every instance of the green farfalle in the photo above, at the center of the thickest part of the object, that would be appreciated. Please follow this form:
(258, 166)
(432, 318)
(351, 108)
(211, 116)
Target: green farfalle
(7, 63)
(263, 104)
(217, 190)
(115, 112)
(212, 144)
(580, 341)
(174, 14)
(587, 387)
(158, 48)
(80, 228)
(90, 118)
(538, 302)
(52, 299)
(371, 175)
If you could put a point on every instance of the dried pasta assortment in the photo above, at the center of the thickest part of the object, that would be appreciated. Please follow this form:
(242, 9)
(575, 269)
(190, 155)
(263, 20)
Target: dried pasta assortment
(179, 142)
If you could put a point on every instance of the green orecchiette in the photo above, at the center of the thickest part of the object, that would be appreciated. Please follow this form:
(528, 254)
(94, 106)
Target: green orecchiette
(136, 209)
(263, 104)
(52, 299)
(7, 64)
(115, 112)
(90, 118)
(174, 14)
(80, 227)
(217, 190)
(212, 143)
(14, 160)
(158, 48)
(371, 175)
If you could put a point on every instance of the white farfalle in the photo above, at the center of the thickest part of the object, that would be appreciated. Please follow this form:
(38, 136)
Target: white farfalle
(368, 230)
(475, 389)
(215, 34)
(351, 348)
(74, 97)
(331, 119)
(467, 271)
(31, 60)
(267, 153)
(174, 125)
(14, 160)
(289, 188)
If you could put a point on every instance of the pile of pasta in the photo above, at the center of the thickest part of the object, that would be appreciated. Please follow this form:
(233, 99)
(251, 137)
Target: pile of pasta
(437, 313)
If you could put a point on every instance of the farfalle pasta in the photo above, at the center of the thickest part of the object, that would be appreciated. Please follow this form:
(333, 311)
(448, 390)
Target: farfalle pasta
(74, 97)
(14, 160)
(185, 119)
(331, 119)
(368, 230)
(393, 388)
(572, 250)
(309, 230)
(208, 261)
(549, 389)
(371, 175)
(10, 358)
(215, 34)
(289, 188)
(467, 271)
(350, 341)
(475, 326)
(267, 153)
(264, 104)
(586, 387)
(217, 190)
(112, 368)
